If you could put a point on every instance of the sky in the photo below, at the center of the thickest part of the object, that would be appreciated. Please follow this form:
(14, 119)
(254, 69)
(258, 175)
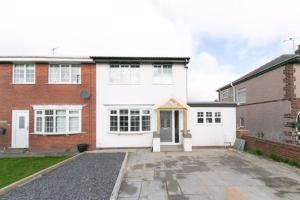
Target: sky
(224, 38)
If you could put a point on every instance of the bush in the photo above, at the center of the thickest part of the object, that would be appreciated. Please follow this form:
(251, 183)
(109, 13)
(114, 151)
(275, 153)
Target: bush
(258, 152)
(276, 158)
(293, 163)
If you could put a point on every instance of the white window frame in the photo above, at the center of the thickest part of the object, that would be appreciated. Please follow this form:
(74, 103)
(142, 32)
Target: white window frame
(163, 74)
(141, 114)
(60, 73)
(225, 94)
(241, 90)
(25, 73)
(204, 117)
(131, 80)
(67, 108)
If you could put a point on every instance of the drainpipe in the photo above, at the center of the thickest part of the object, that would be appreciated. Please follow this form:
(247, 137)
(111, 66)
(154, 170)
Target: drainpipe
(233, 92)
(186, 83)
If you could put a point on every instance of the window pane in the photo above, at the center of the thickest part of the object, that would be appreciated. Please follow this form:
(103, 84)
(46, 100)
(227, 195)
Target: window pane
(157, 74)
(113, 123)
(65, 73)
(21, 122)
(75, 74)
(49, 124)
(123, 123)
(19, 74)
(146, 123)
(54, 74)
(200, 120)
(209, 117)
(74, 124)
(167, 74)
(30, 73)
(135, 74)
(39, 124)
(60, 124)
(134, 123)
(61, 112)
(74, 112)
(114, 74)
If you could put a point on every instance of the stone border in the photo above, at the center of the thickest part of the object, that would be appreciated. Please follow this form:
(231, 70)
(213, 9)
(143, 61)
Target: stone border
(115, 192)
(36, 175)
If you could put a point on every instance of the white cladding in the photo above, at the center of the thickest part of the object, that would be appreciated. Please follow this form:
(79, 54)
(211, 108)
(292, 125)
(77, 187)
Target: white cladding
(142, 95)
(213, 134)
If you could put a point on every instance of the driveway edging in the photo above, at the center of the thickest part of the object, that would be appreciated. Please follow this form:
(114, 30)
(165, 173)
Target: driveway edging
(36, 175)
(115, 192)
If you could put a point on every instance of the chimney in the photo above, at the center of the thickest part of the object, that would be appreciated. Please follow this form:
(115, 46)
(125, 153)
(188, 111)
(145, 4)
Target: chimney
(298, 50)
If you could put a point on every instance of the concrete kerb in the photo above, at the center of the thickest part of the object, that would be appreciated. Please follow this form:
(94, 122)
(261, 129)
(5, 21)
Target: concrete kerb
(115, 192)
(37, 174)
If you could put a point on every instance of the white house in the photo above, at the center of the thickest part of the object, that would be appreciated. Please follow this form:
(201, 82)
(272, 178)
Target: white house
(142, 102)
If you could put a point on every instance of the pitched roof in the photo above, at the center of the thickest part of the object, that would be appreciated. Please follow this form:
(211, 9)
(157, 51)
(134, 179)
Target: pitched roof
(273, 64)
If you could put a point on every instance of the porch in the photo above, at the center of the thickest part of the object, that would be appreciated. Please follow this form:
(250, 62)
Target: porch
(172, 127)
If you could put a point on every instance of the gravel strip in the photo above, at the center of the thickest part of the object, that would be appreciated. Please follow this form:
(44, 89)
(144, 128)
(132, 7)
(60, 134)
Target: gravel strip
(92, 176)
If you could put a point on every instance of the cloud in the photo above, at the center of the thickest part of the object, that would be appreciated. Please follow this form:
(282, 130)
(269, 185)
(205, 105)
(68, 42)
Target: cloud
(154, 28)
(206, 76)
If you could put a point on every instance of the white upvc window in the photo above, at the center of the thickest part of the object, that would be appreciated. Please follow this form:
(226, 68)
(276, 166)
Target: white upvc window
(162, 74)
(241, 95)
(209, 117)
(130, 120)
(125, 73)
(225, 94)
(56, 120)
(64, 74)
(23, 73)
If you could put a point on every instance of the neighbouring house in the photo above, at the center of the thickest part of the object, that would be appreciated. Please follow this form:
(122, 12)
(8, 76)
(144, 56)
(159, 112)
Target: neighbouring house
(47, 103)
(268, 99)
(55, 103)
(142, 102)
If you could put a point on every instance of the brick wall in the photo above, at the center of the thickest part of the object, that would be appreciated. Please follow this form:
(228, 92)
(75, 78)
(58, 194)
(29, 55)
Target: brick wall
(22, 97)
(286, 151)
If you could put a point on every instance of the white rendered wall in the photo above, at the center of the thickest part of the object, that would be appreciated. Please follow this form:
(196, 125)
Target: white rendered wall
(143, 95)
(213, 134)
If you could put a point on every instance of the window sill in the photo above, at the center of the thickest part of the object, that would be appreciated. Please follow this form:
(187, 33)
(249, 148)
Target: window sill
(210, 124)
(124, 83)
(23, 83)
(64, 83)
(57, 134)
(130, 133)
(162, 83)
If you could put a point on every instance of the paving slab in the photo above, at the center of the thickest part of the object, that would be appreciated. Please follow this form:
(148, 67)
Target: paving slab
(216, 174)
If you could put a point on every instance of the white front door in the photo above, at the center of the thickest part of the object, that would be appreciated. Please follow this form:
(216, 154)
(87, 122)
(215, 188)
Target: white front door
(20, 129)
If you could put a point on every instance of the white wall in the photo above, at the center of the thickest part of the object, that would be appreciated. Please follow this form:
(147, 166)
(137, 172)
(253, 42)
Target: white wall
(213, 134)
(143, 95)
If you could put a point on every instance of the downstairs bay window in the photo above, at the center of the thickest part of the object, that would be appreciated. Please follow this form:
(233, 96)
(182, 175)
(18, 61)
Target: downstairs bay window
(57, 119)
(130, 120)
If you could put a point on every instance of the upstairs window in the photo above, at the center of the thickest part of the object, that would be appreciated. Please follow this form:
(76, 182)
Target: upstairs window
(125, 73)
(64, 74)
(225, 94)
(162, 74)
(24, 74)
(241, 95)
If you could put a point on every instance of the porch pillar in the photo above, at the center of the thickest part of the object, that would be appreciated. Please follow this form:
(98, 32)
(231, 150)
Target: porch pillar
(158, 121)
(184, 121)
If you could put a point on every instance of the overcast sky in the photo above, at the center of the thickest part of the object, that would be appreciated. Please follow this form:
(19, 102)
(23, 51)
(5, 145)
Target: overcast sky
(224, 38)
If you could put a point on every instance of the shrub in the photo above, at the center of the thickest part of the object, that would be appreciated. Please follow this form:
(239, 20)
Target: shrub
(276, 158)
(293, 163)
(258, 152)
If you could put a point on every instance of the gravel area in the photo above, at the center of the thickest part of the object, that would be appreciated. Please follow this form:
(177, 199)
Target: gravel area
(92, 176)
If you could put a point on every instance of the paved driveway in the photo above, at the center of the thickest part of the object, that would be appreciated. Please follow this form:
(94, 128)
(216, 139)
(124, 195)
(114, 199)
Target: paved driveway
(209, 174)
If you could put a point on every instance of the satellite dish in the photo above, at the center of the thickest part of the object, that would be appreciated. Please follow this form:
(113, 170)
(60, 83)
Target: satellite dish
(85, 94)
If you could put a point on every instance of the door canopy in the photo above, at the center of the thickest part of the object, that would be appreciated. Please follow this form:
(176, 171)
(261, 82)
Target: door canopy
(171, 104)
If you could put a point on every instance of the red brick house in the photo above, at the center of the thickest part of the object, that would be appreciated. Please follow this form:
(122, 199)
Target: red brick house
(47, 103)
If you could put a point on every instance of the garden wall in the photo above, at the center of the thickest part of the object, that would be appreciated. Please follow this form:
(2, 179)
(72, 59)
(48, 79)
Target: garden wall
(286, 151)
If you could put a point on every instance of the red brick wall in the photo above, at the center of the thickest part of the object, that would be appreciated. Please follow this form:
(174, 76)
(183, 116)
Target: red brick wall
(22, 97)
(286, 151)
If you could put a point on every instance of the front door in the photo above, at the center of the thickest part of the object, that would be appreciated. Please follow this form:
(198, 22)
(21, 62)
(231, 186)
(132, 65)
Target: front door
(20, 128)
(166, 135)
